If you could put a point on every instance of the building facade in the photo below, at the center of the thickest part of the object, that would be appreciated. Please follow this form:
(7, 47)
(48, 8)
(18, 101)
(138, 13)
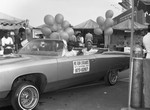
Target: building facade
(122, 37)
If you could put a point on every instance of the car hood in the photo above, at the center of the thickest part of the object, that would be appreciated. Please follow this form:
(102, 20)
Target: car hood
(16, 58)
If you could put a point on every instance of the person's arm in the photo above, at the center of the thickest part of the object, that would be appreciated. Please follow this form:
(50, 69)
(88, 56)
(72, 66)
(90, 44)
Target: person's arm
(64, 52)
(3, 42)
(10, 45)
(99, 51)
(94, 51)
(11, 41)
(144, 50)
(75, 52)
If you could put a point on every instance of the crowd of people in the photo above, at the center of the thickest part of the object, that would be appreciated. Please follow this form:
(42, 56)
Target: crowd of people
(11, 42)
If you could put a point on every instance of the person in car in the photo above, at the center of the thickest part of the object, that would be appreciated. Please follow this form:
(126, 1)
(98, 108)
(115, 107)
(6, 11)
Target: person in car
(69, 51)
(89, 50)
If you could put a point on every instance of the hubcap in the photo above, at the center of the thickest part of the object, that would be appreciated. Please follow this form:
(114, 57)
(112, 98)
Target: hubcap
(113, 76)
(28, 97)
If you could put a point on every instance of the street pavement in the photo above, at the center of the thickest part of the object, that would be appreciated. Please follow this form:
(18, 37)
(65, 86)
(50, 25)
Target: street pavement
(93, 96)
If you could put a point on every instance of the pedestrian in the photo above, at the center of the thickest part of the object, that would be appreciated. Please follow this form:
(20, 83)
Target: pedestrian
(146, 42)
(18, 39)
(12, 36)
(7, 43)
(81, 40)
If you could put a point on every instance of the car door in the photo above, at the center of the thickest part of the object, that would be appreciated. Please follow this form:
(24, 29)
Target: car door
(106, 62)
(76, 69)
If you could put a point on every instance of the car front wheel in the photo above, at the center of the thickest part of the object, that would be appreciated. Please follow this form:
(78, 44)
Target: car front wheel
(111, 77)
(25, 96)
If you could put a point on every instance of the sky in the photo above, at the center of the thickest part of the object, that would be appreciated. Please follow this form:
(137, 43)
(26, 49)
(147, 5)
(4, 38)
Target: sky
(74, 11)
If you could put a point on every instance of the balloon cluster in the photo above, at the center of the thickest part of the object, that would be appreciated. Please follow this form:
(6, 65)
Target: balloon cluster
(105, 25)
(57, 28)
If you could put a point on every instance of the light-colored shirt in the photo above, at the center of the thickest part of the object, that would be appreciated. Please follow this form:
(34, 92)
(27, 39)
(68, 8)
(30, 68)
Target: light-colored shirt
(146, 43)
(90, 52)
(7, 41)
(67, 53)
(70, 53)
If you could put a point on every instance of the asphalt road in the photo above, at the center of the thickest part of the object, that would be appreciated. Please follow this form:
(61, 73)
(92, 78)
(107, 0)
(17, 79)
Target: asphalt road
(94, 96)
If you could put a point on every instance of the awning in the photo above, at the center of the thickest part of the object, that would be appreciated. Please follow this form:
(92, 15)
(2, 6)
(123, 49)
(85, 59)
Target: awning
(10, 23)
(142, 5)
(126, 25)
(89, 24)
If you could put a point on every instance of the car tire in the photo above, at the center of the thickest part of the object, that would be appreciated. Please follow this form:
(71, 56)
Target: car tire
(111, 77)
(25, 96)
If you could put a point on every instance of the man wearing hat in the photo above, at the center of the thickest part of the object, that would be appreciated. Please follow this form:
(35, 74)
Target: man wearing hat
(89, 50)
(69, 51)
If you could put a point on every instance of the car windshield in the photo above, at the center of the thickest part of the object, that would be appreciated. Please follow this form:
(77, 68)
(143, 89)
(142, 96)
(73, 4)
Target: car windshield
(43, 47)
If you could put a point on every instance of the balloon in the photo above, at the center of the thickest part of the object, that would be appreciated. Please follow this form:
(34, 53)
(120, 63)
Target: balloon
(109, 14)
(108, 31)
(98, 31)
(70, 31)
(102, 27)
(49, 20)
(55, 36)
(65, 24)
(100, 20)
(46, 31)
(88, 36)
(108, 22)
(59, 27)
(64, 35)
(59, 18)
(72, 38)
(54, 28)
(59, 31)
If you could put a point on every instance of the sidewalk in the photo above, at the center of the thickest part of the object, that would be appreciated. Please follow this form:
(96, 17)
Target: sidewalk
(95, 97)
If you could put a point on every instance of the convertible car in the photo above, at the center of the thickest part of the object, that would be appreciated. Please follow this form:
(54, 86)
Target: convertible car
(41, 67)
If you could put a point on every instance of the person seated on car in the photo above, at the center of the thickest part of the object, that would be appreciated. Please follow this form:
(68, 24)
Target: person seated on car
(69, 51)
(89, 50)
